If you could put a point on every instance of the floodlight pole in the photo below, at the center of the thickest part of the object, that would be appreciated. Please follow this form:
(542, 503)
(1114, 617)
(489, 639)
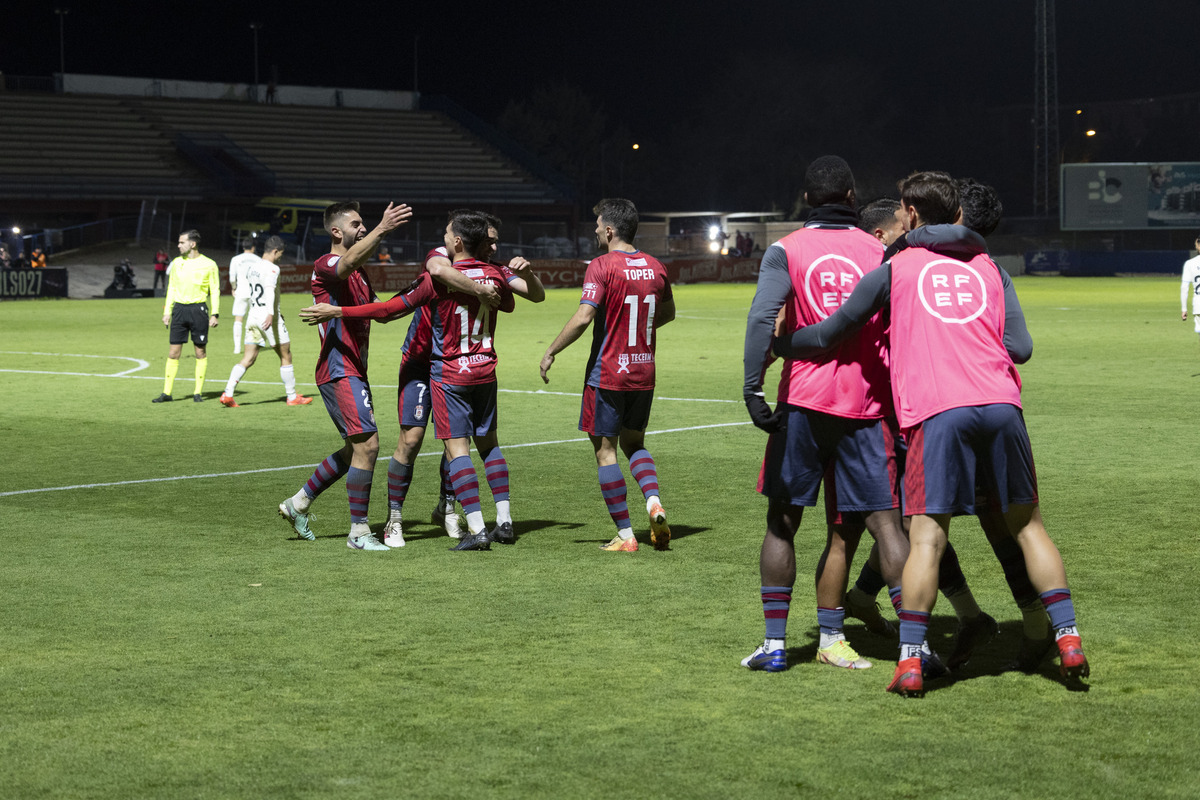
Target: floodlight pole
(61, 13)
(255, 26)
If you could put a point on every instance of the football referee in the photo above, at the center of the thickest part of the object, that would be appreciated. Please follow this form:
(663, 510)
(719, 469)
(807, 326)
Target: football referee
(194, 287)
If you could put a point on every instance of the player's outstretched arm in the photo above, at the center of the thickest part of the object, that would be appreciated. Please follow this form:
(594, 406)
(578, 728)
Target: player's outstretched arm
(574, 328)
(525, 281)
(393, 217)
(321, 312)
(871, 294)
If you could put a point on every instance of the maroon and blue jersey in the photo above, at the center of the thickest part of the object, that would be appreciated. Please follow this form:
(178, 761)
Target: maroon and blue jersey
(344, 342)
(464, 329)
(626, 289)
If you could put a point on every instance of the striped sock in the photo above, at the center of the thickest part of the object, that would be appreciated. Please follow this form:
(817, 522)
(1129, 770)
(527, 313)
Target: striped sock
(496, 470)
(358, 489)
(776, 601)
(1061, 609)
(894, 596)
(641, 464)
(399, 478)
(327, 473)
(913, 626)
(466, 484)
(612, 487)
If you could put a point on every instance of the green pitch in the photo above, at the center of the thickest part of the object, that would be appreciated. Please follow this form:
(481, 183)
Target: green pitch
(165, 635)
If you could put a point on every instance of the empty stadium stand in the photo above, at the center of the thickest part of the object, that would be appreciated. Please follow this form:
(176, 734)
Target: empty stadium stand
(94, 147)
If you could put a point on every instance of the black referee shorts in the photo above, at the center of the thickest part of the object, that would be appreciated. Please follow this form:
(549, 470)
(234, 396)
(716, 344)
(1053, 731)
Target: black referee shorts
(189, 317)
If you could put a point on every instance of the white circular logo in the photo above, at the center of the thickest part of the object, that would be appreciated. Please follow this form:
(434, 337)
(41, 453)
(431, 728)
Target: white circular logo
(952, 291)
(827, 287)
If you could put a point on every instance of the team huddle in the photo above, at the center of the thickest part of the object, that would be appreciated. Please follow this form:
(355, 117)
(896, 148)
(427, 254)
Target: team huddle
(900, 393)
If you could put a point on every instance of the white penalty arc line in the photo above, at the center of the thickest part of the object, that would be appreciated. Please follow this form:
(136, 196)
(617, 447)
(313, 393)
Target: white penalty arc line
(141, 364)
(311, 466)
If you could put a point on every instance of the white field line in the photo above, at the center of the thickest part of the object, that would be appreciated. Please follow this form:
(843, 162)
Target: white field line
(313, 466)
(145, 364)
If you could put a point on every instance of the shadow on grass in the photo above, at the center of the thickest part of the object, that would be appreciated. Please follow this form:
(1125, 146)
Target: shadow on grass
(643, 537)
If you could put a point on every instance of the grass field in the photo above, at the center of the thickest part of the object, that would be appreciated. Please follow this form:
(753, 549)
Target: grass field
(165, 635)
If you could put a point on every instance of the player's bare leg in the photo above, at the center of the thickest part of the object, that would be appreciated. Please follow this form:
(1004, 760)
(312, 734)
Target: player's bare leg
(1049, 578)
(777, 574)
(927, 535)
(833, 572)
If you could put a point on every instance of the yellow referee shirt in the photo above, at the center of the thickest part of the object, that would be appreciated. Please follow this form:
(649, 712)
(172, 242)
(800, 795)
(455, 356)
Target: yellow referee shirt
(194, 280)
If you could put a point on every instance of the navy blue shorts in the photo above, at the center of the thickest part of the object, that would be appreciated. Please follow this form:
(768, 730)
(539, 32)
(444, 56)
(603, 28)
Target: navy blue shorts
(858, 454)
(461, 412)
(348, 401)
(413, 401)
(950, 452)
(604, 412)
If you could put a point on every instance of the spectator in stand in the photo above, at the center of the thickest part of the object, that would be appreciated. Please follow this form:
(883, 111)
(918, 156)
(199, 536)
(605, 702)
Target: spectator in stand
(5, 258)
(383, 256)
(160, 268)
(39, 258)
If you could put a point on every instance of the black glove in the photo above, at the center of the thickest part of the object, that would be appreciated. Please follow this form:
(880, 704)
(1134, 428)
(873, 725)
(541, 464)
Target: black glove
(761, 413)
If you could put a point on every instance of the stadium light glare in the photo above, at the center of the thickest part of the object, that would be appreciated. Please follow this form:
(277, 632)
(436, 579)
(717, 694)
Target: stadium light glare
(636, 146)
(713, 247)
(713, 232)
(1078, 111)
(1091, 133)
(16, 229)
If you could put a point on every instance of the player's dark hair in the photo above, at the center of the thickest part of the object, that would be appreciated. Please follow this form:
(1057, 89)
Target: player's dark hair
(492, 220)
(248, 243)
(620, 214)
(878, 214)
(828, 180)
(933, 195)
(336, 210)
(471, 227)
(193, 236)
(981, 206)
(272, 243)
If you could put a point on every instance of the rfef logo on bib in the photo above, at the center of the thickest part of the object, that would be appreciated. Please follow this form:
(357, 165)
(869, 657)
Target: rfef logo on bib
(952, 291)
(829, 281)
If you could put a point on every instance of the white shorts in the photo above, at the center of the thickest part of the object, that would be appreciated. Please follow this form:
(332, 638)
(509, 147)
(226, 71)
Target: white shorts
(266, 337)
(241, 305)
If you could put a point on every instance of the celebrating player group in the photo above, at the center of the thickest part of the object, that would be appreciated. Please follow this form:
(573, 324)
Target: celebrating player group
(899, 395)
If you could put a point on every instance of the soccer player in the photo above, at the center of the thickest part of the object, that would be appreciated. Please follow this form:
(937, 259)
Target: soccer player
(193, 305)
(241, 290)
(1190, 285)
(832, 417)
(266, 327)
(627, 294)
(956, 336)
(341, 372)
(881, 219)
(462, 377)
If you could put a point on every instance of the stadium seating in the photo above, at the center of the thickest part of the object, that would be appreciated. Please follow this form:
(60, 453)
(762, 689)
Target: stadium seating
(99, 147)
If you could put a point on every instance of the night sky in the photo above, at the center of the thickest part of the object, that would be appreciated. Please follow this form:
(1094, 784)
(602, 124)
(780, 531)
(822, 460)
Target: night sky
(658, 70)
